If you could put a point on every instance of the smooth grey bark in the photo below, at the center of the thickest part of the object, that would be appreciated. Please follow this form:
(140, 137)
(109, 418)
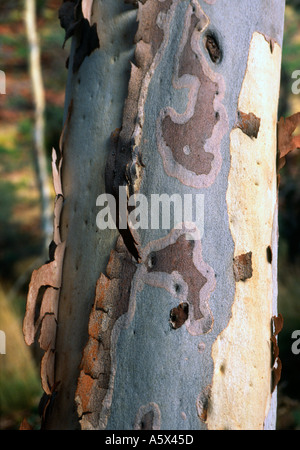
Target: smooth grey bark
(98, 91)
(145, 373)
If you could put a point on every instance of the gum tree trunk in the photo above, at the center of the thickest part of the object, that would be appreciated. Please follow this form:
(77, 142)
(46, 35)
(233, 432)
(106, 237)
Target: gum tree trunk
(165, 326)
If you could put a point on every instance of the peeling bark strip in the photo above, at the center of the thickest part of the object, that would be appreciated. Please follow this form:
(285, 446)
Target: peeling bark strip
(87, 7)
(194, 157)
(242, 267)
(47, 402)
(277, 325)
(97, 368)
(286, 141)
(44, 288)
(277, 322)
(45, 282)
(25, 425)
(75, 18)
(248, 123)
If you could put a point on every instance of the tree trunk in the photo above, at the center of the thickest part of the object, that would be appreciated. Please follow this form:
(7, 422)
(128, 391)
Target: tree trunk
(170, 325)
(39, 124)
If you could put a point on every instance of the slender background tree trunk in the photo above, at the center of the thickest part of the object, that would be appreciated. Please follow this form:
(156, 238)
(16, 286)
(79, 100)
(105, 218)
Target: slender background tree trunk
(161, 329)
(39, 124)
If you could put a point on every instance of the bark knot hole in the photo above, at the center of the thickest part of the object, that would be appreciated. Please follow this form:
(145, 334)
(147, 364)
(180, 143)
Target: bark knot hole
(269, 254)
(213, 47)
(179, 315)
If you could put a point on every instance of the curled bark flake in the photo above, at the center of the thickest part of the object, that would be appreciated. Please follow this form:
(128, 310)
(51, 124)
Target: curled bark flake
(286, 141)
(56, 172)
(48, 330)
(59, 199)
(242, 267)
(58, 206)
(276, 373)
(47, 401)
(275, 348)
(89, 41)
(47, 275)
(87, 6)
(44, 288)
(277, 322)
(248, 123)
(277, 325)
(75, 18)
(47, 371)
(25, 425)
(68, 18)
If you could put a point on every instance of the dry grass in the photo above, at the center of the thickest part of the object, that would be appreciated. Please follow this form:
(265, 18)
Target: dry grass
(20, 388)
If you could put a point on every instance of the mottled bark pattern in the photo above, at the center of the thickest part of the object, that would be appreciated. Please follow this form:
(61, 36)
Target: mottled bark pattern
(111, 302)
(189, 143)
(124, 164)
(178, 257)
(175, 263)
(187, 146)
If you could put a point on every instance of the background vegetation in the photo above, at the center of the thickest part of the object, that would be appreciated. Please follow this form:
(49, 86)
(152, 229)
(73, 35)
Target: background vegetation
(20, 224)
(21, 239)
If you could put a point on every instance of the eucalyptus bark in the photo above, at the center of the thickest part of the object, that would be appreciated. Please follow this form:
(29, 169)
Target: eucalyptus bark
(162, 327)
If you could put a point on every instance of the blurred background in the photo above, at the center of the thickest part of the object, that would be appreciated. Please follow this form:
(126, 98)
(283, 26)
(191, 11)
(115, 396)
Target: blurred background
(25, 160)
